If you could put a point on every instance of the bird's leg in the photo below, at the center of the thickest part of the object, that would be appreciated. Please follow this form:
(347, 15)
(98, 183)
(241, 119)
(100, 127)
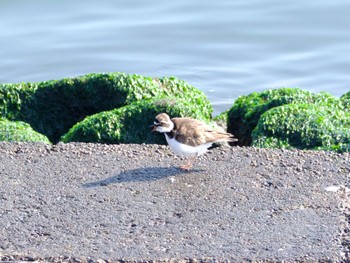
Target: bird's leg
(189, 164)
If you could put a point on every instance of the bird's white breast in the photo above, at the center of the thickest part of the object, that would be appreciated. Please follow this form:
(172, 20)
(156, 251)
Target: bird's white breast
(186, 150)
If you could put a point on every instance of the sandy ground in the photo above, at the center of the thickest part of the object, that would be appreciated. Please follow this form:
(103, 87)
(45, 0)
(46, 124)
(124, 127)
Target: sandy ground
(91, 202)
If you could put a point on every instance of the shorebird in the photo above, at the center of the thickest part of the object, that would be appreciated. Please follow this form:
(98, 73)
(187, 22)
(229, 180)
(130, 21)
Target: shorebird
(188, 137)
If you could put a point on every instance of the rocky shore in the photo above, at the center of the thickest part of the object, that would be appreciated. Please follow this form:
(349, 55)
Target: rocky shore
(93, 203)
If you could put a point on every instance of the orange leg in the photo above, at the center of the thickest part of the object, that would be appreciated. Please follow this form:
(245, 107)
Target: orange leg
(189, 164)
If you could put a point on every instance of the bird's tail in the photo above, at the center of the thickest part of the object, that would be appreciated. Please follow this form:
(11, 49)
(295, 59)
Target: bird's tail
(226, 137)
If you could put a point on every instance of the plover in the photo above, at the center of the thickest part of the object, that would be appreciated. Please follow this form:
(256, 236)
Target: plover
(188, 137)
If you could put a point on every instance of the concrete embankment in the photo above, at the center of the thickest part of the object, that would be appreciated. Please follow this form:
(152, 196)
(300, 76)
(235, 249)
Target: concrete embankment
(90, 202)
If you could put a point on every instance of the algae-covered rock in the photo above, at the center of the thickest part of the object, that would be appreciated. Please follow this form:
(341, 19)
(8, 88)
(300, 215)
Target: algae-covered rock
(246, 110)
(304, 126)
(12, 98)
(52, 107)
(345, 98)
(17, 131)
(131, 123)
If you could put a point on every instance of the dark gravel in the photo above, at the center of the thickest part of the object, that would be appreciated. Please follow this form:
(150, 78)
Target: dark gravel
(91, 202)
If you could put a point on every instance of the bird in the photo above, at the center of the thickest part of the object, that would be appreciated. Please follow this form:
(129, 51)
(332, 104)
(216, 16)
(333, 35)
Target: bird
(188, 137)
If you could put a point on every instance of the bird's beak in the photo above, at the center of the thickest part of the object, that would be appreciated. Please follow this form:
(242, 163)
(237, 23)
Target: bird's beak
(153, 127)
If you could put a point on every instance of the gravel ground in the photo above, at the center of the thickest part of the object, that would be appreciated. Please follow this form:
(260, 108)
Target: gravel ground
(91, 202)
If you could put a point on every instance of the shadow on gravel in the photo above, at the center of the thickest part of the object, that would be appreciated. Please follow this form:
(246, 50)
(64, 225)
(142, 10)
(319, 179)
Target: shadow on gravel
(140, 175)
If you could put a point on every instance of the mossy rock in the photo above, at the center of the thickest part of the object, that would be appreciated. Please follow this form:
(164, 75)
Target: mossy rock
(131, 123)
(304, 126)
(52, 107)
(18, 131)
(345, 98)
(246, 110)
(12, 98)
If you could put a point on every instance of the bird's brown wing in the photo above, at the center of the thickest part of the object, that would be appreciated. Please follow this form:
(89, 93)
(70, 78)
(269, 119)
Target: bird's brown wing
(195, 132)
(192, 132)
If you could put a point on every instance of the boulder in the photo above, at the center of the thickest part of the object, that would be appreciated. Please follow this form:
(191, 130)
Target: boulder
(304, 126)
(131, 123)
(245, 113)
(18, 131)
(53, 107)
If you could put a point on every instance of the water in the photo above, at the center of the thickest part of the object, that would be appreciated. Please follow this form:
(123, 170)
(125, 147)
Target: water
(225, 48)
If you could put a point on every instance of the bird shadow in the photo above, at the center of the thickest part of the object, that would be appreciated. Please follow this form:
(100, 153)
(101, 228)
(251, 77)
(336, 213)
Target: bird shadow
(140, 175)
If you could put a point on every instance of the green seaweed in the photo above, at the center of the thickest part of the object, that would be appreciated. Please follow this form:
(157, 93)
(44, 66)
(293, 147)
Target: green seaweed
(304, 126)
(17, 131)
(53, 107)
(245, 113)
(12, 98)
(130, 124)
(345, 98)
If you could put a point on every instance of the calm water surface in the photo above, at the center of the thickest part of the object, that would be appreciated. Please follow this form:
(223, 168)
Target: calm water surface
(225, 48)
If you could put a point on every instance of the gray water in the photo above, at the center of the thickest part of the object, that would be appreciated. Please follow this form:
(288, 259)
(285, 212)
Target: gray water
(225, 48)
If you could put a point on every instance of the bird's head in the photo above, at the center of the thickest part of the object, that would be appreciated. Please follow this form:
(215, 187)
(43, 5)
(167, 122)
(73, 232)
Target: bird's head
(162, 123)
